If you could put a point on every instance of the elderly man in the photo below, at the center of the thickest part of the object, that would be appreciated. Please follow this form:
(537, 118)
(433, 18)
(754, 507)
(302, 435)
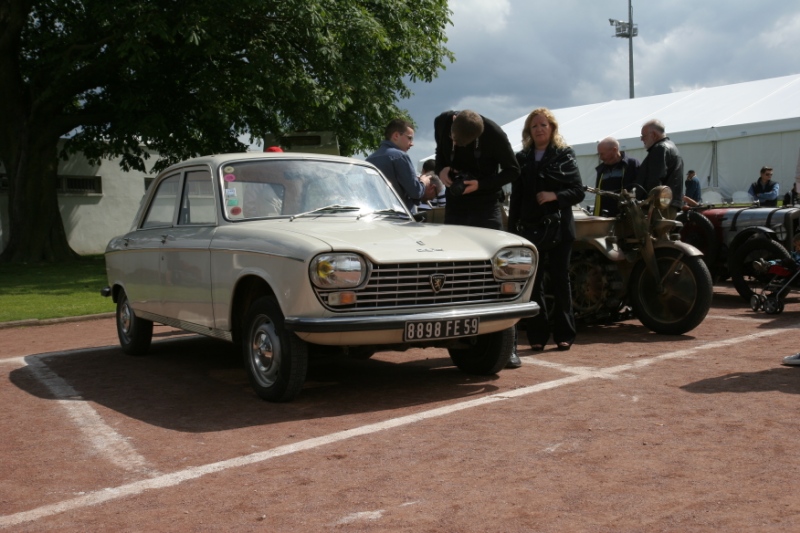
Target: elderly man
(615, 172)
(393, 161)
(663, 164)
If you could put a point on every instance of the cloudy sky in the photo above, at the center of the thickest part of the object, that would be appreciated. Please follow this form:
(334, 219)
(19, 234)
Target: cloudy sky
(515, 55)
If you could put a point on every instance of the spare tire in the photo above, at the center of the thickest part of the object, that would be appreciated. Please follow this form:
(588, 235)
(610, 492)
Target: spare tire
(699, 232)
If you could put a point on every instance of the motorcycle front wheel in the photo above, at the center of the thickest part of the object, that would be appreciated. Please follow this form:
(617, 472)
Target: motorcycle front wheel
(686, 296)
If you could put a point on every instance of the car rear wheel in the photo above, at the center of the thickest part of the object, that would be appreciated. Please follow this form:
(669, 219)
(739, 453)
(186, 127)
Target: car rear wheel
(135, 334)
(276, 360)
(488, 355)
(744, 276)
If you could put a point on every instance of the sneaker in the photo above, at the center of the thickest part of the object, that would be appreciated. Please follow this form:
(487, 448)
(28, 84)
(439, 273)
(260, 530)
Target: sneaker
(514, 362)
(792, 360)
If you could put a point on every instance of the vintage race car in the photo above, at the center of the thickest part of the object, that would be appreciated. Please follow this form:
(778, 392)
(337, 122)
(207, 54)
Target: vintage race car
(290, 254)
(732, 238)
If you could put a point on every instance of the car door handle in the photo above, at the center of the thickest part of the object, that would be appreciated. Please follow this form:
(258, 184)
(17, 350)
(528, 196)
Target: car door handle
(164, 238)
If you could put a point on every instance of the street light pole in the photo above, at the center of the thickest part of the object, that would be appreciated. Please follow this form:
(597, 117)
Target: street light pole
(630, 42)
(627, 30)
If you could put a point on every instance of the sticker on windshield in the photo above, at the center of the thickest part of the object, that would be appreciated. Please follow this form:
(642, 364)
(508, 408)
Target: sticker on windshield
(229, 170)
(236, 211)
(230, 193)
(229, 177)
(233, 201)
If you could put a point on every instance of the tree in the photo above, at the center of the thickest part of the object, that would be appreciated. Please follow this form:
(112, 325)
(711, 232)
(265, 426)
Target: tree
(183, 78)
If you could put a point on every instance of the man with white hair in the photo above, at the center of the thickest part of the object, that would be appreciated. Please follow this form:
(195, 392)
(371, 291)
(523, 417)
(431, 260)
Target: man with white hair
(614, 173)
(663, 164)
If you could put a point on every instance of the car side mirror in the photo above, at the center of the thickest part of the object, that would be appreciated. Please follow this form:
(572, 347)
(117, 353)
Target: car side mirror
(420, 217)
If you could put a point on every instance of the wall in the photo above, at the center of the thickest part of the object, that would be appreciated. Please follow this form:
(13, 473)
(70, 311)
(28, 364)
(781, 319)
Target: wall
(91, 220)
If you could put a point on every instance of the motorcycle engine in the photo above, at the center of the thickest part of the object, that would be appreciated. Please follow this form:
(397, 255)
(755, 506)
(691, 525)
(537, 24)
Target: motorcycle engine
(597, 287)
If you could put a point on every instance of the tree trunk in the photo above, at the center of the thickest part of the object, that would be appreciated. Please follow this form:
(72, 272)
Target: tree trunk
(36, 230)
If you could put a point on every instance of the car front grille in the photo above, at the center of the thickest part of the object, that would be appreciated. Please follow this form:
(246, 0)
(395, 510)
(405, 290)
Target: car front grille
(403, 285)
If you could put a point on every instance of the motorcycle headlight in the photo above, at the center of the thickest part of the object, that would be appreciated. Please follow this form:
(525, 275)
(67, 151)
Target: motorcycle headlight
(662, 196)
(513, 263)
(337, 271)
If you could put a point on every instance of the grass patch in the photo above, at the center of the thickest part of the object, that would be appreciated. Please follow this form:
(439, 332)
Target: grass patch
(53, 290)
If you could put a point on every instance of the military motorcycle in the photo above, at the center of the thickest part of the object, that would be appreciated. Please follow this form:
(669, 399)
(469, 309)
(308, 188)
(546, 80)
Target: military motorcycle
(635, 264)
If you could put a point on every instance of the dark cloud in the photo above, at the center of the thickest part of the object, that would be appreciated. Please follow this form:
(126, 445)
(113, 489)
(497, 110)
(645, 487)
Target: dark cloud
(514, 55)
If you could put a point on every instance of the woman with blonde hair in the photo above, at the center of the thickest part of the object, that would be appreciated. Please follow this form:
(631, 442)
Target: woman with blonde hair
(542, 197)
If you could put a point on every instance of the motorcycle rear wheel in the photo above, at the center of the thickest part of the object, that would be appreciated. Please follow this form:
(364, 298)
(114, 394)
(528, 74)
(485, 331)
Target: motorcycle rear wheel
(685, 300)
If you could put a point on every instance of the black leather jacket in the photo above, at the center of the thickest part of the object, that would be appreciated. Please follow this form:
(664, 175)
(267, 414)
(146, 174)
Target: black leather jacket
(557, 172)
(662, 166)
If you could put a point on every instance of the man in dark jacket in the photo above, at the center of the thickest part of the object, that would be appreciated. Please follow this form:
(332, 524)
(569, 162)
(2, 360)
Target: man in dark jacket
(616, 172)
(473, 153)
(663, 165)
(473, 149)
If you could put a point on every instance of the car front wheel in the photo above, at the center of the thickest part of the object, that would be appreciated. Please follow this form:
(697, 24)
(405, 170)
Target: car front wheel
(135, 334)
(276, 360)
(488, 355)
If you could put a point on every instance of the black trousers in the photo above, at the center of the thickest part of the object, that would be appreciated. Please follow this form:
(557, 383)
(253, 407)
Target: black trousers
(555, 263)
(489, 216)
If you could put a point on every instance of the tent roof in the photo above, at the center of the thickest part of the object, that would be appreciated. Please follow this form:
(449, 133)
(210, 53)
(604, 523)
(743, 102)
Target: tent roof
(699, 115)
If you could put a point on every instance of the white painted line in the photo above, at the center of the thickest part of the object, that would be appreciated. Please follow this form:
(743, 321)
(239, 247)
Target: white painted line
(103, 438)
(176, 478)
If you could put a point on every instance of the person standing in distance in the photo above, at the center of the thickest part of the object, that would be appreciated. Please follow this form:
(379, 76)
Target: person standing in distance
(616, 172)
(764, 190)
(663, 165)
(692, 184)
(393, 161)
(474, 160)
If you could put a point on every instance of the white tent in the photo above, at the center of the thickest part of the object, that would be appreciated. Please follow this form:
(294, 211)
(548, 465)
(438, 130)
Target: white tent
(726, 134)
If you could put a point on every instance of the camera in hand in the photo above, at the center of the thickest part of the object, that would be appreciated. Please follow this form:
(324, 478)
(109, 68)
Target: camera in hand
(458, 186)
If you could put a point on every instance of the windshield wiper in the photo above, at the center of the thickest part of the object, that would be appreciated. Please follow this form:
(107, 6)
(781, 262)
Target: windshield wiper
(386, 212)
(333, 208)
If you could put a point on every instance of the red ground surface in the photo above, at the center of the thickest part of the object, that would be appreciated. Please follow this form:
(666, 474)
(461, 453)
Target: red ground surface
(628, 431)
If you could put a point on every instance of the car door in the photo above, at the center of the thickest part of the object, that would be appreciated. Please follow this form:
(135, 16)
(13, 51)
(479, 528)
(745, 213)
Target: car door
(142, 265)
(185, 258)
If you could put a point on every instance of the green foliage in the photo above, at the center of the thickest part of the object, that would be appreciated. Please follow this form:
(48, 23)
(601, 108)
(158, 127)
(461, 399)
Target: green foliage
(53, 290)
(187, 78)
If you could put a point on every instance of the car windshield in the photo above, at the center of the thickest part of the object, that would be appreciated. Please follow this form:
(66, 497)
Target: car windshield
(290, 188)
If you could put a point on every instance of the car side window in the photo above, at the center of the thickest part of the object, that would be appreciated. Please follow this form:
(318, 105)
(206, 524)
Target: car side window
(197, 201)
(162, 209)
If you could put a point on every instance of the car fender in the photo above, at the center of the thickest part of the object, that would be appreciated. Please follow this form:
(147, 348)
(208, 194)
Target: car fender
(748, 233)
(684, 248)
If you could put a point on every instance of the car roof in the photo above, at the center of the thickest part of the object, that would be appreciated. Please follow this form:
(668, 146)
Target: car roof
(219, 159)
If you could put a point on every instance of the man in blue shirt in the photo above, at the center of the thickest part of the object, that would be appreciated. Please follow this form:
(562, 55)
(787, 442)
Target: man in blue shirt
(393, 161)
(692, 189)
(764, 189)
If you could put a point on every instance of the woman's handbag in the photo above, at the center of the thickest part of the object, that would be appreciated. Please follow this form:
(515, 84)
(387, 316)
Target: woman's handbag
(545, 234)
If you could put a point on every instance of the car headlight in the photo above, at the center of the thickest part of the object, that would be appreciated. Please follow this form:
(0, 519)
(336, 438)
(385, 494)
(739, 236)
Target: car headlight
(662, 196)
(337, 271)
(513, 263)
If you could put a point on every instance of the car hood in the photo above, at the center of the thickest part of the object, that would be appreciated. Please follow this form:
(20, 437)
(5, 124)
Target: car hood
(379, 239)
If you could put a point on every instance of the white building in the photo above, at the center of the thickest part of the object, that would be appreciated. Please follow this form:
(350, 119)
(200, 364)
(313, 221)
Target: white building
(726, 134)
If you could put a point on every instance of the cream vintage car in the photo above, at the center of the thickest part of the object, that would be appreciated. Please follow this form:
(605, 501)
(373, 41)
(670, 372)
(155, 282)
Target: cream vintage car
(286, 254)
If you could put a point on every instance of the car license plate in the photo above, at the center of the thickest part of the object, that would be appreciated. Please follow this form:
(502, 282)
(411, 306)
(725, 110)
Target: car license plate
(441, 329)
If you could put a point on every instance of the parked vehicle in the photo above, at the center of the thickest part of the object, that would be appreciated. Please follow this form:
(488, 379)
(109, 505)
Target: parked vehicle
(290, 254)
(732, 238)
(633, 261)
